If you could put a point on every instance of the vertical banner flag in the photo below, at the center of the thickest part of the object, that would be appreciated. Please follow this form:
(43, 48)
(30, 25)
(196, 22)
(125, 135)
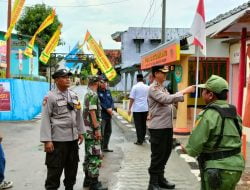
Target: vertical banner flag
(15, 13)
(198, 28)
(50, 47)
(94, 71)
(48, 21)
(101, 59)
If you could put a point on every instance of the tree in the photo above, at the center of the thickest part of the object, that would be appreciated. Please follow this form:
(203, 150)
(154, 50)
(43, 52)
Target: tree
(30, 21)
(32, 18)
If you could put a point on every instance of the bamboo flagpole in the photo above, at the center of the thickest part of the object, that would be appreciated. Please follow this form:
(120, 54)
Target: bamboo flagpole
(198, 30)
(196, 83)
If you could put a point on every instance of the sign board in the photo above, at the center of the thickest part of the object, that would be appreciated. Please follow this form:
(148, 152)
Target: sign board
(162, 55)
(5, 96)
(3, 53)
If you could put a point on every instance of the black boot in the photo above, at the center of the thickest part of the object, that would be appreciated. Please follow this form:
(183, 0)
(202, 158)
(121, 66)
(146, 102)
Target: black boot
(163, 183)
(86, 181)
(153, 183)
(96, 185)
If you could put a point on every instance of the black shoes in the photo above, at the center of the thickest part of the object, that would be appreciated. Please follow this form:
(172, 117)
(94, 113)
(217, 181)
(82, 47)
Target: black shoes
(154, 187)
(107, 150)
(97, 186)
(138, 143)
(86, 182)
(163, 183)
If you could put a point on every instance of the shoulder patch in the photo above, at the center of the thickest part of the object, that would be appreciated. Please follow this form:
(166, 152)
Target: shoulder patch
(45, 99)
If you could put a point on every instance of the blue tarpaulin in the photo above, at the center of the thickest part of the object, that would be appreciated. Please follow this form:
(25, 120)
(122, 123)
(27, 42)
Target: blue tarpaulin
(25, 99)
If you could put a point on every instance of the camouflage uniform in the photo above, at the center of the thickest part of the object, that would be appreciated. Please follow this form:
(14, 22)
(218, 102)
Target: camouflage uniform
(92, 161)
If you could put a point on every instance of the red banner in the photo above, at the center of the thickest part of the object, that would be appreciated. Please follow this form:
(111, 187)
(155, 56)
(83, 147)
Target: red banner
(4, 96)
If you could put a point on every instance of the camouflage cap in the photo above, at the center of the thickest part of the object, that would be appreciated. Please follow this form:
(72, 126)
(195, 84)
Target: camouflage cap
(92, 79)
(215, 84)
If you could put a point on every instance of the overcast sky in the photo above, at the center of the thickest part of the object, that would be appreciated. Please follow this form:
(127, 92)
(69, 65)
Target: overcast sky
(104, 17)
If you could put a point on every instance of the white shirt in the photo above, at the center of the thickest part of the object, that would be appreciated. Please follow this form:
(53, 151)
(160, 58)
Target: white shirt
(139, 93)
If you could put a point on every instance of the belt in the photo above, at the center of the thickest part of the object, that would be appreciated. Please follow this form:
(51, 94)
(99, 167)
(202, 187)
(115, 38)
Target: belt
(220, 154)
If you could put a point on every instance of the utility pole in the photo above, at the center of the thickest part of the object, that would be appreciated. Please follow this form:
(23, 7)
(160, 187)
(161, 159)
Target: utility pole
(163, 21)
(8, 51)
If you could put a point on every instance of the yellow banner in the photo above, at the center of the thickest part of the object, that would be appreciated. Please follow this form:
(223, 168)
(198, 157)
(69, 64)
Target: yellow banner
(94, 71)
(50, 47)
(48, 21)
(15, 13)
(101, 59)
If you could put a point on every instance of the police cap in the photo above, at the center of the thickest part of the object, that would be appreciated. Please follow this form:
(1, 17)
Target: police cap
(61, 73)
(215, 84)
(162, 68)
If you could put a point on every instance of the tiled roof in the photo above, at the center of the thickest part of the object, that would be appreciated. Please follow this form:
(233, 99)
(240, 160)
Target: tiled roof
(228, 14)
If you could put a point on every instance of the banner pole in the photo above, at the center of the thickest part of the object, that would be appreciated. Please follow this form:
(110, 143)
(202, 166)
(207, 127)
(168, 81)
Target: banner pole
(196, 83)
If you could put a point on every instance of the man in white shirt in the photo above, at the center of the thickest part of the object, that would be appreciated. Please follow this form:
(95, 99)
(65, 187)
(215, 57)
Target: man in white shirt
(138, 98)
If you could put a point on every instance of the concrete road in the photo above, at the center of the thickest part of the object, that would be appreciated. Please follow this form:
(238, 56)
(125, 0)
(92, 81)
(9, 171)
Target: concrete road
(124, 169)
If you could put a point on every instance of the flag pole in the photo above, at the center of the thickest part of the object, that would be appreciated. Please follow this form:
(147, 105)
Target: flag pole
(196, 83)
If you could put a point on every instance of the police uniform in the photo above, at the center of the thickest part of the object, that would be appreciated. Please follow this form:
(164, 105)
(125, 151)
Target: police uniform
(160, 126)
(106, 102)
(61, 124)
(216, 140)
(93, 154)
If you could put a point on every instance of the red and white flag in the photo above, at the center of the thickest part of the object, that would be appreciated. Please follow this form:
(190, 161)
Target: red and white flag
(198, 28)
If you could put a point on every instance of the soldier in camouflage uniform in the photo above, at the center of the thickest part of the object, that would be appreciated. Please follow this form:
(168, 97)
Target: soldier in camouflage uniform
(92, 119)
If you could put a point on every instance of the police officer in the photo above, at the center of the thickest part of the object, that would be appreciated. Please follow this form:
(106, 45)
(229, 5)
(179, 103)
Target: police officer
(216, 139)
(92, 120)
(61, 130)
(107, 106)
(161, 126)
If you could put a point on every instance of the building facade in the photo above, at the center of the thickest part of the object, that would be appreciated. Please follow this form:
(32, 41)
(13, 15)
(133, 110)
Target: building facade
(21, 66)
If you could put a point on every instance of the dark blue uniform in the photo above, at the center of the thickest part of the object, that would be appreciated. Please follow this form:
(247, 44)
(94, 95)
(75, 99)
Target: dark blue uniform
(106, 101)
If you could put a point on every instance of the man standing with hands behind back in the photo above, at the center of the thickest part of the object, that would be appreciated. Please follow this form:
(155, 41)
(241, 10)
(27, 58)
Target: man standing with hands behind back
(161, 126)
(61, 130)
(107, 105)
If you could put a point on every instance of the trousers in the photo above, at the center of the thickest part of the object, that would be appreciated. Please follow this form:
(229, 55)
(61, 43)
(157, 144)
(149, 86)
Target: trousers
(2, 163)
(229, 180)
(140, 119)
(161, 147)
(64, 157)
(106, 129)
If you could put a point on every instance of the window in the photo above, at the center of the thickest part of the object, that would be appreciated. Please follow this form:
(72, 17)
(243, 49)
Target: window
(138, 43)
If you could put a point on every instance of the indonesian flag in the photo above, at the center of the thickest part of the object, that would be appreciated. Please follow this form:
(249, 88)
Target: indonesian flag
(198, 28)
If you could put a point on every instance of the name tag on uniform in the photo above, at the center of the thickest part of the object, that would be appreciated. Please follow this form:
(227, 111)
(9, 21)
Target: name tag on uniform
(61, 103)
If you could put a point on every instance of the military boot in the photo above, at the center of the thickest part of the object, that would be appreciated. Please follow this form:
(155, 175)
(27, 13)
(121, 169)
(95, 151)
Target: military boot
(163, 183)
(96, 185)
(153, 183)
(86, 181)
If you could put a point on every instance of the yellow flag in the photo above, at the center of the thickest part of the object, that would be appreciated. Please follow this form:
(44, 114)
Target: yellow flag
(48, 21)
(101, 59)
(50, 47)
(15, 13)
(94, 71)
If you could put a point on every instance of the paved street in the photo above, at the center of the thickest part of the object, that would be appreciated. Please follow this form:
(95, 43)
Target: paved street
(126, 168)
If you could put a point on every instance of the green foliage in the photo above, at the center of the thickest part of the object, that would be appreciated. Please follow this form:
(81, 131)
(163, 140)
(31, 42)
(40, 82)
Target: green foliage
(118, 96)
(32, 18)
(86, 71)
